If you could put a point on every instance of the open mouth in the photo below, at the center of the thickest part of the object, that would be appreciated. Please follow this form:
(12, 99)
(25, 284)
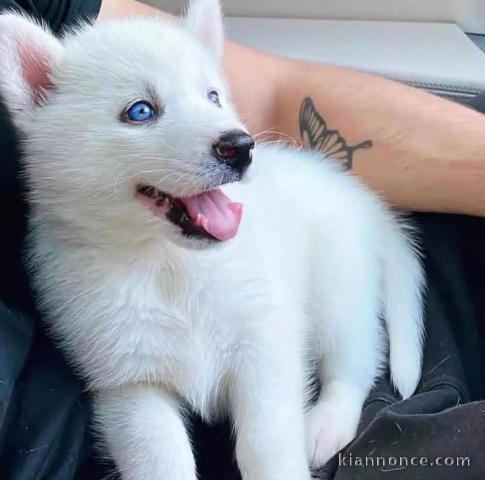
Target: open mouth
(209, 215)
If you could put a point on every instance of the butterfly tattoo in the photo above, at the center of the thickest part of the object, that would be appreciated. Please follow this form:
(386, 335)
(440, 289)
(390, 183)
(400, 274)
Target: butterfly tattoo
(316, 135)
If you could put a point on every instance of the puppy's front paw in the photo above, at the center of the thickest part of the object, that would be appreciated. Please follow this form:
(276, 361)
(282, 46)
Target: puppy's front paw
(329, 427)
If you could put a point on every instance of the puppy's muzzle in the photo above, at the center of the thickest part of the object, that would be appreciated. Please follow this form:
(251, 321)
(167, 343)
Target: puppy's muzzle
(234, 148)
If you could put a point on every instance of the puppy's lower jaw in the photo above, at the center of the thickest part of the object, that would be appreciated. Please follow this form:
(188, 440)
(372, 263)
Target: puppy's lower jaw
(210, 215)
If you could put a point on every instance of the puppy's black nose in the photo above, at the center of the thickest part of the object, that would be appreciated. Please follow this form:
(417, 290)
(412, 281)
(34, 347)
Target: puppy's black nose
(235, 149)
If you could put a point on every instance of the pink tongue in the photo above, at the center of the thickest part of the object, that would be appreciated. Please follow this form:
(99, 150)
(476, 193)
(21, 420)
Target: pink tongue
(215, 213)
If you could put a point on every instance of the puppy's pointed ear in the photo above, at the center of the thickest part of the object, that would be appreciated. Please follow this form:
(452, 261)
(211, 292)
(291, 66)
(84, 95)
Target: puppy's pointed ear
(28, 55)
(204, 20)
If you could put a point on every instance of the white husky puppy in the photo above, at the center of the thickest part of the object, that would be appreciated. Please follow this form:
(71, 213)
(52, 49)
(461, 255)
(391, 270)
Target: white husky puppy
(170, 285)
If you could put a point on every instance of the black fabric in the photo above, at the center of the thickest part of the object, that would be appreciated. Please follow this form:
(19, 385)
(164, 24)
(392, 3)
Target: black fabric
(44, 412)
(445, 419)
(58, 14)
(478, 103)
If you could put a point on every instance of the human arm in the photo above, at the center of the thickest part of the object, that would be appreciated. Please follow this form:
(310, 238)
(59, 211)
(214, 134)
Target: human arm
(427, 153)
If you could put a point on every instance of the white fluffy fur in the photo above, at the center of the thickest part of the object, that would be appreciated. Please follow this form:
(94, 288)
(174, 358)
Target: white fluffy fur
(156, 322)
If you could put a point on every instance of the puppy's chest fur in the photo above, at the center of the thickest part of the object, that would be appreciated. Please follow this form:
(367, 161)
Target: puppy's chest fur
(186, 329)
(188, 349)
(201, 342)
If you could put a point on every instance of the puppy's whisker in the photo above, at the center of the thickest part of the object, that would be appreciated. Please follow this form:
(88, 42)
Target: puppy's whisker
(270, 142)
(176, 181)
(142, 155)
(256, 135)
(284, 136)
(265, 131)
(120, 179)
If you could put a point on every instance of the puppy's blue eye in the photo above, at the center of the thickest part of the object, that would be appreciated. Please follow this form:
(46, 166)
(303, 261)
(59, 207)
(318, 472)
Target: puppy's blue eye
(139, 112)
(213, 97)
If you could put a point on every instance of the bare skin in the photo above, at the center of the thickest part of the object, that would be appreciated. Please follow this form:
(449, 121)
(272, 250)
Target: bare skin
(419, 151)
